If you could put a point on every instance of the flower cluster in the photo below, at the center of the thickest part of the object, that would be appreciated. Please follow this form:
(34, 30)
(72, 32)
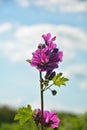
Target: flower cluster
(47, 56)
(50, 119)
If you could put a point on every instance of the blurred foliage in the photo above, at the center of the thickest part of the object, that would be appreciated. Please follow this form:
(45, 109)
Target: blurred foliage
(69, 121)
(24, 115)
(7, 114)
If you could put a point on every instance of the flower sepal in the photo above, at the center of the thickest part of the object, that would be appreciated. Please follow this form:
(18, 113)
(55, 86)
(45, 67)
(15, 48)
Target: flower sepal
(28, 60)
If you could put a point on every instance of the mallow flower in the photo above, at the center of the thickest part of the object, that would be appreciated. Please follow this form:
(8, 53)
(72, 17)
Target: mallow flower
(50, 119)
(47, 56)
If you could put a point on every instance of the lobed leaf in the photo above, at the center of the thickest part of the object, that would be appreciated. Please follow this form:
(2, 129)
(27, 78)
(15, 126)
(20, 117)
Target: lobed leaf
(24, 114)
(59, 79)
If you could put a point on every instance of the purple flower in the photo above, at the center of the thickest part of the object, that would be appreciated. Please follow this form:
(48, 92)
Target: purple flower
(50, 119)
(49, 41)
(47, 56)
(45, 59)
(47, 38)
(37, 113)
(37, 116)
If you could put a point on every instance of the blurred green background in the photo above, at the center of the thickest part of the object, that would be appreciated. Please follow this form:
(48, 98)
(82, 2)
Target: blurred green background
(69, 121)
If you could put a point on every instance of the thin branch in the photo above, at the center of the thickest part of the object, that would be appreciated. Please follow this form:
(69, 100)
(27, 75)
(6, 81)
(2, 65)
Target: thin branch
(48, 87)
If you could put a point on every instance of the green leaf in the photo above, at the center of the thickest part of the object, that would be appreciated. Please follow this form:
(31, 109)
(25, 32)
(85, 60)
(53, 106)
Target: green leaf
(28, 60)
(24, 114)
(59, 79)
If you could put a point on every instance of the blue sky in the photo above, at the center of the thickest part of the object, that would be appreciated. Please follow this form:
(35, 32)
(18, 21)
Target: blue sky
(22, 22)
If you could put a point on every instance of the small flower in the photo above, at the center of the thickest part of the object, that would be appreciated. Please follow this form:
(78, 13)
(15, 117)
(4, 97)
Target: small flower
(49, 41)
(47, 38)
(50, 119)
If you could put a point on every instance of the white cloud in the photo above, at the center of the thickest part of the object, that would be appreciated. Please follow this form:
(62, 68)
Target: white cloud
(23, 3)
(14, 51)
(26, 38)
(74, 109)
(78, 72)
(12, 102)
(18, 102)
(59, 106)
(5, 27)
(63, 5)
(56, 5)
(67, 6)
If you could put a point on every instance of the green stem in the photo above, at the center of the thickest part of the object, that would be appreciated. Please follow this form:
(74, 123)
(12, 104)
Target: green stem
(42, 101)
(48, 87)
(38, 127)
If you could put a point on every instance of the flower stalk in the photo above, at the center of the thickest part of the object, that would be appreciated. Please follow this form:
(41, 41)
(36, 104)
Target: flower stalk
(48, 87)
(42, 101)
(46, 58)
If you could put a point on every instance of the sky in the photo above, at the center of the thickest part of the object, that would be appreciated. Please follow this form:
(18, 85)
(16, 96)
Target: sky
(22, 23)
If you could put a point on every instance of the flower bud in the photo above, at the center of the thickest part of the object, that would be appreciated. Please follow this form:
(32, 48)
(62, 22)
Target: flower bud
(52, 75)
(54, 92)
(55, 50)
